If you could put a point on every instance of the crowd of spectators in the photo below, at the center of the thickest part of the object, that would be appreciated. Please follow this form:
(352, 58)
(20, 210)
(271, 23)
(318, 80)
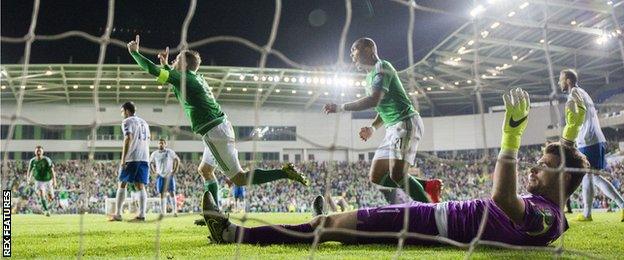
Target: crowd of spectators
(466, 175)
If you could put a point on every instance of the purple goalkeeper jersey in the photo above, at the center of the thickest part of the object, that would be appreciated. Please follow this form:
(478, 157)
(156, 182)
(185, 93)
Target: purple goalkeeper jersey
(540, 226)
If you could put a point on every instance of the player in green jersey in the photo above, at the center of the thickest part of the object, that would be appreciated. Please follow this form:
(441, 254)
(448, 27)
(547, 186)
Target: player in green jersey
(41, 168)
(208, 120)
(403, 125)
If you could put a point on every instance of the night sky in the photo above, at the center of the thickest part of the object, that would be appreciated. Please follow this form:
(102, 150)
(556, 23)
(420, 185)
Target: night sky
(309, 30)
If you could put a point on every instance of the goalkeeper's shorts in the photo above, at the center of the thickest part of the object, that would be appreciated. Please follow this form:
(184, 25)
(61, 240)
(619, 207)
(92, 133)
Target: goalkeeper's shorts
(401, 140)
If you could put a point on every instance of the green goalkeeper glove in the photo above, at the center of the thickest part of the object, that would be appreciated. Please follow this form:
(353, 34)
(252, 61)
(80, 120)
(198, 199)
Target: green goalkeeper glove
(574, 116)
(517, 105)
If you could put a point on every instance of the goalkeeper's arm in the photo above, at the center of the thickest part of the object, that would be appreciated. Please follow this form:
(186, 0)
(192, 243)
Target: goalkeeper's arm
(517, 105)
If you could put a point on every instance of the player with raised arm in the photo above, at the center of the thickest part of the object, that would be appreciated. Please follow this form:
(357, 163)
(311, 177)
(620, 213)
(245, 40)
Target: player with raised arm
(134, 161)
(404, 127)
(209, 121)
(591, 142)
(533, 219)
(41, 168)
(165, 163)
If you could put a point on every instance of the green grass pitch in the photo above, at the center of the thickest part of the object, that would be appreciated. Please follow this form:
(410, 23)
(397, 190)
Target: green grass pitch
(36, 236)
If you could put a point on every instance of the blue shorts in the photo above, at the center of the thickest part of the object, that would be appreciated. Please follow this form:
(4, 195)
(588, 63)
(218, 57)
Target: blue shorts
(239, 192)
(135, 172)
(160, 184)
(595, 155)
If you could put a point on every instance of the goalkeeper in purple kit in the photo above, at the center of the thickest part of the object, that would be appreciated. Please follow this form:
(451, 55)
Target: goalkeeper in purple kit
(533, 219)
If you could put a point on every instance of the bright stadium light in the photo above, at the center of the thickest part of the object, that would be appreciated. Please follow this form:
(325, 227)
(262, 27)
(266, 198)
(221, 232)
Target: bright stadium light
(293, 79)
(23, 87)
(428, 88)
(310, 92)
(108, 86)
(48, 72)
(270, 78)
(286, 79)
(255, 78)
(456, 83)
(524, 5)
(573, 22)
(244, 89)
(293, 91)
(326, 93)
(143, 87)
(127, 87)
(315, 80)
(322, 81)
(301, 80)
(159, 87)
(39, 87)
(242, 77)
(277, 90)
(276, 78)
(3, 87)
(259, 89)
(92, 87)
(363, 83)
(358, 95)
(308, 80)
(442, 87)
(485, 34)
(263, 78)
(342, 94)
(469, 81)
(75, 86)
(424, 78)
(495, 25)
(602, 39)
(357, 83)
(228, 89)
(514, 57)
(471, 42)
(477, 10)
(511, 14)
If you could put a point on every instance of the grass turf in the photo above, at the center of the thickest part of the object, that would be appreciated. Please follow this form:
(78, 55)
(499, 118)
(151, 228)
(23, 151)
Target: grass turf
(36, 236)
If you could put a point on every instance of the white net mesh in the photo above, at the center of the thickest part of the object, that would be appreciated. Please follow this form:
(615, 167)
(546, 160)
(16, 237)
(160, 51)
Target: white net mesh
(412, 85)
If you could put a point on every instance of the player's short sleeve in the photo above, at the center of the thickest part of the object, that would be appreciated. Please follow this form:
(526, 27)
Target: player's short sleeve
(49, 161)
(381, 78)
(538, 219)
(126, 127)
(151, 159)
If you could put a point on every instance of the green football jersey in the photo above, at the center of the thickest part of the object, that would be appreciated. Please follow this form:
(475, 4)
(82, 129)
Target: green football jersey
(225, 192)
(64, 194)
(395, 105)
(41, 169)
(199, 103)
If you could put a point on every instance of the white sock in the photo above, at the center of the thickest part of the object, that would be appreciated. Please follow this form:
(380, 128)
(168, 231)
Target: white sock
(163, 204)
(588, 195)
(142, 202)
(607, 188)
(120, 198)
(229, 234)
(174, 203)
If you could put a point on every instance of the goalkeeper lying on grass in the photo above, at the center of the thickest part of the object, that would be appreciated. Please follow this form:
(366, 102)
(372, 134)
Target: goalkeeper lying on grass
(533, 219)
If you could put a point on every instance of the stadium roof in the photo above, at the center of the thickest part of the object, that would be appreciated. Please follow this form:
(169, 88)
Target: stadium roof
(512, 42)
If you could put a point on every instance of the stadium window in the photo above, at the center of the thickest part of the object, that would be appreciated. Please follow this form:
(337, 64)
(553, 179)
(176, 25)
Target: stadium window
(270, 156)
(80, 132)
(361, 157)
(4, 131)
(285, 158)
(185, 133)
(371, 155)
(104, 156)
(310, 157)
(52, 132)
(297, 158)
(28, 132)
(106, 132)
(185, 156)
